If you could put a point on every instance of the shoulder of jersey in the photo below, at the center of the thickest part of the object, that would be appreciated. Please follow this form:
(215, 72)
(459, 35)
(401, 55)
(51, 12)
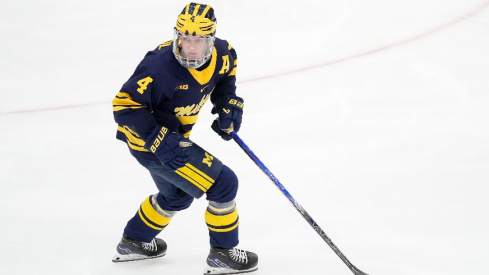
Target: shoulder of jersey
(159, 55)
(165, 46)
(222, 45)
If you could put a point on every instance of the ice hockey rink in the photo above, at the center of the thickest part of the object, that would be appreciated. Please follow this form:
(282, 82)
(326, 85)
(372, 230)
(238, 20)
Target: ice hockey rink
(373, 114)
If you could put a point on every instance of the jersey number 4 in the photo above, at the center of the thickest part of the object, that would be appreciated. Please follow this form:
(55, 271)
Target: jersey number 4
(143, 84)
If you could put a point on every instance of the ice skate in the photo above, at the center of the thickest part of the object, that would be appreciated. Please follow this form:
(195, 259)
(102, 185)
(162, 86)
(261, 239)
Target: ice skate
(230, 261)
(131, 250)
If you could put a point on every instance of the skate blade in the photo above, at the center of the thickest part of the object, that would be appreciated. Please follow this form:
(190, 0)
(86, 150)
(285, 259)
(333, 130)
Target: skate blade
(223, 271)
(118, 258)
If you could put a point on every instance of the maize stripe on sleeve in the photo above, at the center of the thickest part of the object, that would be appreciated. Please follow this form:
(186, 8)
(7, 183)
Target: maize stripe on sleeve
(124, 101)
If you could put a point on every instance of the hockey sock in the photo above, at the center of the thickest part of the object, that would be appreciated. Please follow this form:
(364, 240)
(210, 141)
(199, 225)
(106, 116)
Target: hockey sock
(222, 221)
(149, 221)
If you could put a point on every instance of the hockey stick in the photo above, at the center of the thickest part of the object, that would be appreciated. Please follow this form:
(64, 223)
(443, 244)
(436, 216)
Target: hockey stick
(296, 204)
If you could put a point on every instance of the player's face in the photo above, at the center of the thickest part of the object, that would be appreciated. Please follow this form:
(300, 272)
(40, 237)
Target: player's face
(192, 51)
(193, 47)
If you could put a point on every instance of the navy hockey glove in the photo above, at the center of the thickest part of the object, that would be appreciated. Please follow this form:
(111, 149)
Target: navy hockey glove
(230, 111)
(169, 148)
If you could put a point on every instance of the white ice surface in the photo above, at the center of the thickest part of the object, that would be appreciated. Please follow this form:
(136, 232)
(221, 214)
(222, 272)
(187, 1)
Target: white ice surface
(373, 114)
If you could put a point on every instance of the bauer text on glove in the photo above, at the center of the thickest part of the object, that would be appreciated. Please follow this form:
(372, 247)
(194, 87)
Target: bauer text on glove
(169, 148)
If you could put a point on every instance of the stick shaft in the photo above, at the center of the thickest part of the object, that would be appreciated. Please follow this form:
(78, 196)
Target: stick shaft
(295, 203)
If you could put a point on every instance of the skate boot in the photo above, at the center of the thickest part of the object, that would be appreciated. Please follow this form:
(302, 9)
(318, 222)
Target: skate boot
(131, 250)
(230, 261)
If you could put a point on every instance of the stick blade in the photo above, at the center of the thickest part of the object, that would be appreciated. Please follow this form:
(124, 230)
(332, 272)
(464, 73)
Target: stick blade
(357, 271)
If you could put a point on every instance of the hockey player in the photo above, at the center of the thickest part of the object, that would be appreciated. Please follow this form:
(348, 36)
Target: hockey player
(155, 111)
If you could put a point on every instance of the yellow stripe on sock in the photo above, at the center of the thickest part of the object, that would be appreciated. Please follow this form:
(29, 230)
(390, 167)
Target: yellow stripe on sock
(152, 215)
(147, 223)
(221, 220)
(224, 229)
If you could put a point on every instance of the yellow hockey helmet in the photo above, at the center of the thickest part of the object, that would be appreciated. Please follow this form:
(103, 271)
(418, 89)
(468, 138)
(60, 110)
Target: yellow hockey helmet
(196, 25)
(197, 19)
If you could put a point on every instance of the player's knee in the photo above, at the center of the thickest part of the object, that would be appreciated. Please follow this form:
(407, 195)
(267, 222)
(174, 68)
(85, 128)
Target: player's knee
(225, 187)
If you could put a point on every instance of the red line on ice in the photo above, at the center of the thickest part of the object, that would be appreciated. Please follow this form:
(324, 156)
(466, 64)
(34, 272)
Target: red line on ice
(324, 64)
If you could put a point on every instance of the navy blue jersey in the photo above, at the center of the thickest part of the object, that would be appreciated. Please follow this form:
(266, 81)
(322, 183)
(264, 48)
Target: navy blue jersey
(161, 92)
